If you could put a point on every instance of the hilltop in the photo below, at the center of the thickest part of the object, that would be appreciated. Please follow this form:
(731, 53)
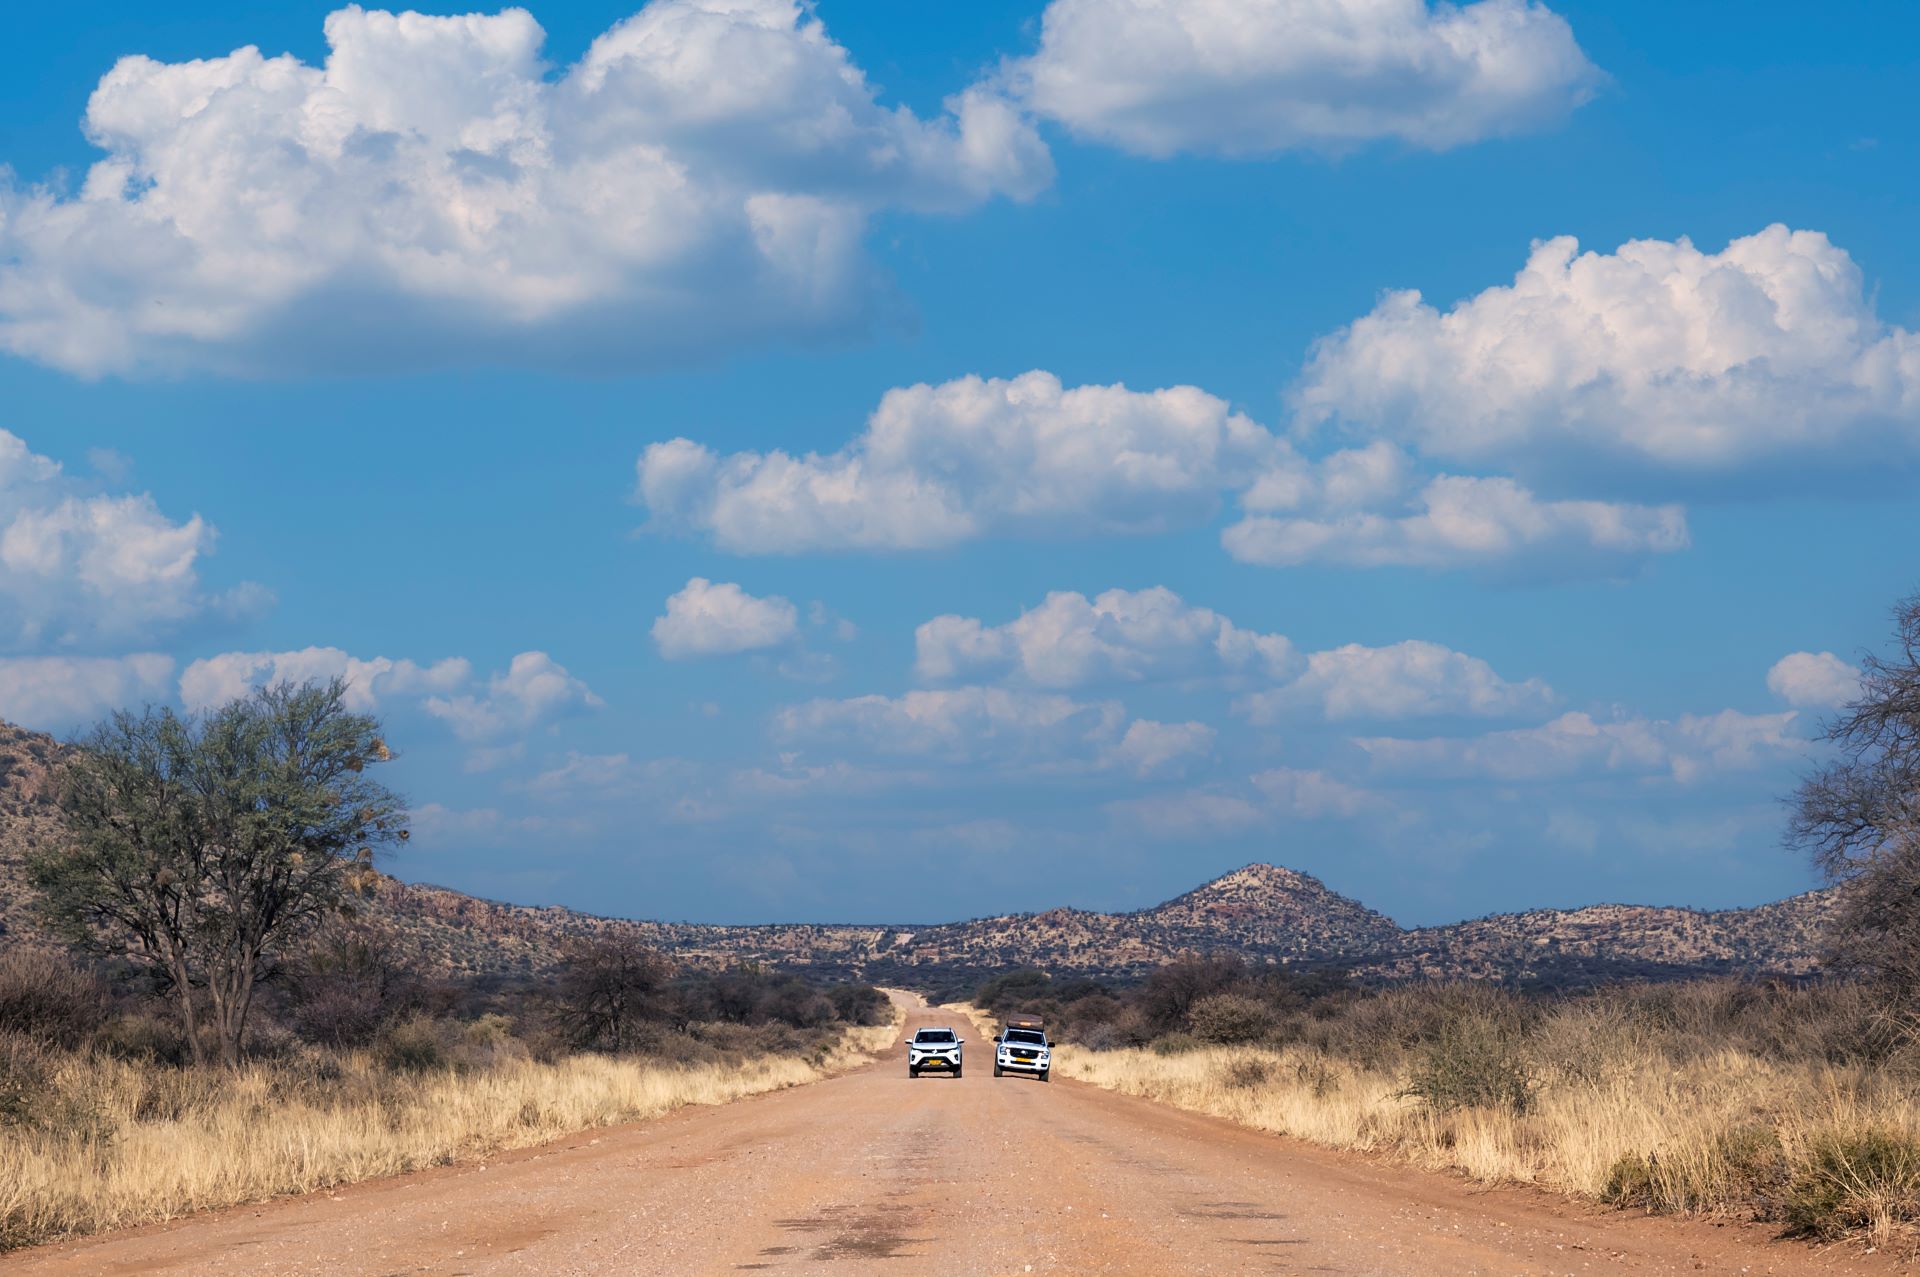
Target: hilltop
(1264, 912)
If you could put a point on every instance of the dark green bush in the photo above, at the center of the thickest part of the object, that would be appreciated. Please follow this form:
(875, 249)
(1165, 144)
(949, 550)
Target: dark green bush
(1855, 1181)
(1631, 1181)
(859, 1004)
(1747, 1169)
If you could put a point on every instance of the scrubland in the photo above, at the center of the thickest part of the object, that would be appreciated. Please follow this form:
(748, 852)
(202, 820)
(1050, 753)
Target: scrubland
(103, 1126)
(1791, 1105)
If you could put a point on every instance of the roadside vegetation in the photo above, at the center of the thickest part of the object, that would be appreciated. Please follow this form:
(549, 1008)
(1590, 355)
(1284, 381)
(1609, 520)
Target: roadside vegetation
(1793, 1104)
(355, 1070)
(227, 1025)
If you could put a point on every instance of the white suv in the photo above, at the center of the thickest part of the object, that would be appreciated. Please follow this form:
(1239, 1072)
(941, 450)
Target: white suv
(1020, 1050)
(934, 1050)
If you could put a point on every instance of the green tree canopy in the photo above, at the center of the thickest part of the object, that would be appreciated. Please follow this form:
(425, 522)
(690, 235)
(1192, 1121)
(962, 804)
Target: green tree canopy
(203, 847)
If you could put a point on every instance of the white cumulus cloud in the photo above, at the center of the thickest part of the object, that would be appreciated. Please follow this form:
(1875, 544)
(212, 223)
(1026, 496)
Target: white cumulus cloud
(1128, 636)
(535, 689)
(1251, 77)
(1148, 747)
(1027, 456)
(993, 728)
(965, 724)
(1409, 679)
(705, 619)
(969, 458)
(434, 191)
(1813, 680)
(1657, 355)
(56, 693)
(216, 680)
(84, 570)
(1120, 636)
(1576, 745)
(1367, 507)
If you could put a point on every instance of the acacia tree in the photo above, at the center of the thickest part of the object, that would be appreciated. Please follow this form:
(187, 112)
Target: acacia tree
(608, 986)
(203, 847)
(1859, 817)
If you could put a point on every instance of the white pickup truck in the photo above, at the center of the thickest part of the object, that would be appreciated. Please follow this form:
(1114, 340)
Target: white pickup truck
(1022, 1047)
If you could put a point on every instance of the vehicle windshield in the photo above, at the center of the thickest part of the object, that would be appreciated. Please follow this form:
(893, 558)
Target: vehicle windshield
(1033, 1036)
(934, 1035)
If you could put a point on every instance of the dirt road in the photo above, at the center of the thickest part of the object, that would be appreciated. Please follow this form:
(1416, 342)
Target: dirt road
(874, 1173)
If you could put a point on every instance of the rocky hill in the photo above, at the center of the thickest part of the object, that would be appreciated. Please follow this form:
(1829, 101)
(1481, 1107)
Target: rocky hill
(1266, 913)
(28, 819)
(1263, 911)
(1613, 942)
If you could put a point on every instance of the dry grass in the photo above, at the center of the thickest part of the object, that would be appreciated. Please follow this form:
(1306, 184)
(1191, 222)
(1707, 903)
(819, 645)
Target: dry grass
(1826, 1149)
(126, 1143)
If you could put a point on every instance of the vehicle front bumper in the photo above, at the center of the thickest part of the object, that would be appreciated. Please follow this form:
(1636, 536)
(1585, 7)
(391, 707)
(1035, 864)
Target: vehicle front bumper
(1009, 1063)
(934, 1061)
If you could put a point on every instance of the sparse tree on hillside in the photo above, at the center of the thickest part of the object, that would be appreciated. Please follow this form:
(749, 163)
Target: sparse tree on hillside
(203, 847)
(1859, 818)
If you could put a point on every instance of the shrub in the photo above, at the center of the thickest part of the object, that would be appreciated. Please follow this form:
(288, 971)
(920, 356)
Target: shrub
(1868, 1181)
(795, 1003)
(348, 984)
(1091, 1014)
(414, 1045)
(1586, 1043)
(481, 1044)
(30, 1099)
(1229, 1019)
(1473, 1063)
(1172, 991)
(1246, 1073)
(1012, 991)
(143, 1036)
(47, 999)
(859, 1004)
(1743, 1166)
(23, 1080)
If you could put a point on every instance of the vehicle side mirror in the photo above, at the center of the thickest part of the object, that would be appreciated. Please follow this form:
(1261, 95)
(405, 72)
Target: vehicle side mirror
(959, 1041)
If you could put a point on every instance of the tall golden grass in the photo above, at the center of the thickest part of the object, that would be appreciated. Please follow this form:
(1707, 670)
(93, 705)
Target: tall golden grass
(132, 1143)
(1724, 1133)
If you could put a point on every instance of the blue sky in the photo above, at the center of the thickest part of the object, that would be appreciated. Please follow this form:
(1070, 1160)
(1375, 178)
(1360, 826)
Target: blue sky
(1514, 594)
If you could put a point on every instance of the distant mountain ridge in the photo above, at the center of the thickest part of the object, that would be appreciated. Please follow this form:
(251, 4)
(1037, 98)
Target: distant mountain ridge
(1264, 912)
